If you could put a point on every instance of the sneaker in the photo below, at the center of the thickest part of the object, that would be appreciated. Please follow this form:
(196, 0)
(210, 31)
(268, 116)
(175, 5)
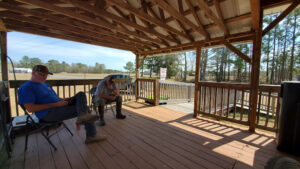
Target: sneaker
(95, 138)
(86, 117)
(101, 123)
(120, 116)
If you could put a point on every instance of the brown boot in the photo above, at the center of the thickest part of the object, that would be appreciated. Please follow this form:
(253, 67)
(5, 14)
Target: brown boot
(86, 118)
(95, 138)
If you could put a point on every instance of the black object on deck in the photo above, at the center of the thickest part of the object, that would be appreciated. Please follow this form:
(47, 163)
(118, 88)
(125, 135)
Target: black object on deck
(288, 134)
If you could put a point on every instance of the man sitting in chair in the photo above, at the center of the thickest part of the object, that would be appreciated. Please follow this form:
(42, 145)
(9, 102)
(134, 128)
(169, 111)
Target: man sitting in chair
(40, 98)
(107, 92)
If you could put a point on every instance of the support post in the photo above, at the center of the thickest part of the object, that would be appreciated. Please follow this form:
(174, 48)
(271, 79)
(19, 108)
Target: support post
(137, 75)
(189, 93)
(197, 78)
(255, 73)
(156, 89)
(4, 70)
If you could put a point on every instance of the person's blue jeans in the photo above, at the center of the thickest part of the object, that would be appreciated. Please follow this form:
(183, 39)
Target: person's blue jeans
(78, 106)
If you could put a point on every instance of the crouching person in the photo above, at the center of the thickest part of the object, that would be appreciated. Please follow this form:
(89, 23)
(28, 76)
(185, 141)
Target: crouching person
(40, 98)
(107, 92)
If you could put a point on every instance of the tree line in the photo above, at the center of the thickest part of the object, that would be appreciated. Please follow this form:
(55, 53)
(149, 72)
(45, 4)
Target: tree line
(57, 67)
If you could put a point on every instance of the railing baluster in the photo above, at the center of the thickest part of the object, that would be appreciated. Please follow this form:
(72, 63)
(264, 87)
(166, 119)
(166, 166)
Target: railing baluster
(259, 105)
(222, 102)
(74, 89)
(242, 106)
(204, 102)
(200, 94)
(64, 92)
(57, 91)
(234, 104)
(268, 109)
(228, 96)
(209, 104)
(277, 111)
(69, 91)
(216, 96)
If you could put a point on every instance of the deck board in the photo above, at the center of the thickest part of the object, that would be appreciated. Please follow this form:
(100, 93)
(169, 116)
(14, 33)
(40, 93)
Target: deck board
(150, 137)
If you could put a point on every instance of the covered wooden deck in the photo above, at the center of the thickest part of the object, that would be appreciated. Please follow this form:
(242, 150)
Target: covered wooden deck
(150, 137)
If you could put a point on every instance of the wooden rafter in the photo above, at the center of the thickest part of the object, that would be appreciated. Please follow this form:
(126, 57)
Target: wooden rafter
(127, 17)
(205, 8)
(115, 18)
(84, 18)
(273, 3)
(189, 11)
(162, 18)
(53, 25)
(255, 6)
(103, 39)
(173, 12)
(218, 8)
(2, 26)
(151, 26)
(102, 4)
(281, 16)
(69, 23)
(248, 36)
(188, 2)
(236, 51)
(143, 15)
(65, 37)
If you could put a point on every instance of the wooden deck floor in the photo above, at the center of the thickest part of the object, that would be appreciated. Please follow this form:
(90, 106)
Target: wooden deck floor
(150, 137)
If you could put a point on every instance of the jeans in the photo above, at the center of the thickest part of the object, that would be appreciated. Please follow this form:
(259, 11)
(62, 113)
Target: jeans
(77, 107)
(100, 102)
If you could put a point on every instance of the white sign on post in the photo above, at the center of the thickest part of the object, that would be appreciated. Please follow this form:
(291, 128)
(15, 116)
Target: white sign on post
(163, 73)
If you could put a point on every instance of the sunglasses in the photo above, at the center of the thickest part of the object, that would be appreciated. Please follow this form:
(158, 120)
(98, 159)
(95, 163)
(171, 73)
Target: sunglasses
(42, 74)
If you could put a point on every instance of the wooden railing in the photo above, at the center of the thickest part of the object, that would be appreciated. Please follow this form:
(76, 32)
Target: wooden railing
(230, 102)
(67, 88)
(176, 91)
(148, 90)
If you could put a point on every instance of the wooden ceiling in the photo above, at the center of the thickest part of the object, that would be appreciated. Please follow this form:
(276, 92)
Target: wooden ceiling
(141, 26)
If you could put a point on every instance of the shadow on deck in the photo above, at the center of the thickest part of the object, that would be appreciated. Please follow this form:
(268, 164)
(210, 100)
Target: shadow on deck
(150, 137)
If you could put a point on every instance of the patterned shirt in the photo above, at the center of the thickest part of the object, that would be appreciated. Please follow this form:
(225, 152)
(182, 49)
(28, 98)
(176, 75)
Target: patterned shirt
(102, 87)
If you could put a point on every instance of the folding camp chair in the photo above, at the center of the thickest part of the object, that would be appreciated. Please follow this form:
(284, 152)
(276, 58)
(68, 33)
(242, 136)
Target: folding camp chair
(40, 127)
(93, 104)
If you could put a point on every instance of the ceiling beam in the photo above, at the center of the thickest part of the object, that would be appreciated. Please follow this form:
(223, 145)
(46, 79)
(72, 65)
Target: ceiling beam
(205, 8)
(273, 3)
(65, 37)
(219, 11)
(190, 5)
(2, 25)
(65, 28)
(236, 51)
(147, 17)
(178, 16)
(240, 37)
(255, 6)
(161, 18)
(281, 16)
(68, 33)
(103, 13)
(84, 18)
(69, 22)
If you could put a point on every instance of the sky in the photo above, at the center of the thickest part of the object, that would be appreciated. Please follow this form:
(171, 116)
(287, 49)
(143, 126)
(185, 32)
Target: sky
(45, 48)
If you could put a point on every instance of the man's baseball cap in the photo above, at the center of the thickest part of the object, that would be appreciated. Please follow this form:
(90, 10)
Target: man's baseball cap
(42, 69)
(109, 78)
